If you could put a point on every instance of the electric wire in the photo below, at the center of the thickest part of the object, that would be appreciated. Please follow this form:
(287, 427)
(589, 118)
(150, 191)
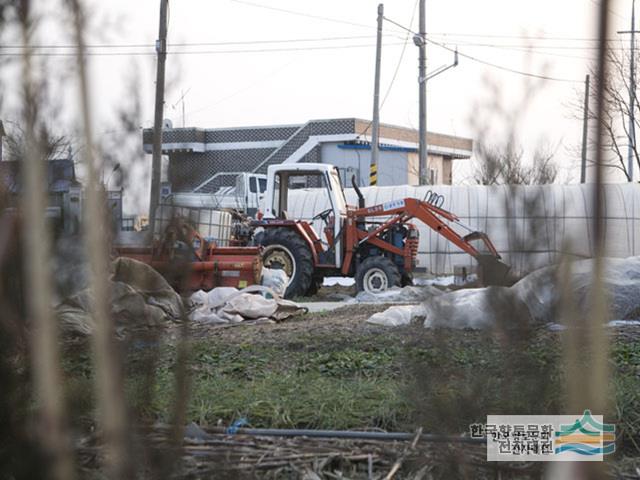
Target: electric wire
(490, 64)
(506, 69)
(303, 14)
(404, 48)
(198, 52)
(193, 44)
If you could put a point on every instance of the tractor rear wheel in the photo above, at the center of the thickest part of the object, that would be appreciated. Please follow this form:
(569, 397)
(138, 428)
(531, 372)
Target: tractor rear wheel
(285, 249)
(376, 275)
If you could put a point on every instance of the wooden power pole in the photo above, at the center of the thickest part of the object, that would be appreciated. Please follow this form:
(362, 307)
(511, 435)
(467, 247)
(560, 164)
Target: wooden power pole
(375, 132)
(585, 126)
(422, 100)
(156, 162)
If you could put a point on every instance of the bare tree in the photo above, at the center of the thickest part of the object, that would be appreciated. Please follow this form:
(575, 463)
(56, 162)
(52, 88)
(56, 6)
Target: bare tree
(50, 144)
(505, 165)
(615, 115)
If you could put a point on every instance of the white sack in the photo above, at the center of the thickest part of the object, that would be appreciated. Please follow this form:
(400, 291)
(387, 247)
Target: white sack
(397, 316)
(251, 306)
(276, 279)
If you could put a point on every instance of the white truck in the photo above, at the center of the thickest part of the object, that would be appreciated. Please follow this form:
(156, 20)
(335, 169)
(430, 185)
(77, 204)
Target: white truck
(245, 196)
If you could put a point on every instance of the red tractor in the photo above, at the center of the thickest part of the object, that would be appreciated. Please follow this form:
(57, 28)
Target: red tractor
(377, 245)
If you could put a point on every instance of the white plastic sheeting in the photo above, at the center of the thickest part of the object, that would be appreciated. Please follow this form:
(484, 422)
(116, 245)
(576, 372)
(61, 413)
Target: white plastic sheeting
(541, 291)
(228, 305)
(531, 226)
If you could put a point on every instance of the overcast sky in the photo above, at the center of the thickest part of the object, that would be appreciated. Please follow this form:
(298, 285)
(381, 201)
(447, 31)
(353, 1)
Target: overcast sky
(278, 75)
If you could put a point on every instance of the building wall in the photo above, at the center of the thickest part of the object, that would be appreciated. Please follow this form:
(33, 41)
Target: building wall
(393, 168)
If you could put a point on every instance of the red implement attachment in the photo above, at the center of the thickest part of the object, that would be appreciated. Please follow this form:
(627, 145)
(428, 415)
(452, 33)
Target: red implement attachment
(189, 263)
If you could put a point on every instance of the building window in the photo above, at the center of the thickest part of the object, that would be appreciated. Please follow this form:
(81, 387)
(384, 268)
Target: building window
(347, 173)
(433, 176)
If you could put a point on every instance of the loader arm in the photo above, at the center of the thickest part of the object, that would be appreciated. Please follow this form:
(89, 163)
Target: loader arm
(403, 211)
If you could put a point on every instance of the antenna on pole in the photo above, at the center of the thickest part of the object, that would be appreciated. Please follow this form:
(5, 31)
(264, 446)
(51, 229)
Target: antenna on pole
(183, 94)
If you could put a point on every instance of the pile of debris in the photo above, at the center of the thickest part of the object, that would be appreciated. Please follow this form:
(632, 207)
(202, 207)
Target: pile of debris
(141, 298)
(236, 455)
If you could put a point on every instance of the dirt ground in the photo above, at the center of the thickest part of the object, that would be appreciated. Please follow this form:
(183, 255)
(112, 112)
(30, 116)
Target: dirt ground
(333, 370)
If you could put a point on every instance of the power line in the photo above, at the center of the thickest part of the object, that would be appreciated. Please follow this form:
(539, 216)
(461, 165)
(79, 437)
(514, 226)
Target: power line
(517, 37)
(528, 46)
(303, 14)
(522, 49)
(197, 52)
(395, 73)
(500, 67)
(404, 48)
(259, 81)
(196, 44)
(448, 36)
(484, 62)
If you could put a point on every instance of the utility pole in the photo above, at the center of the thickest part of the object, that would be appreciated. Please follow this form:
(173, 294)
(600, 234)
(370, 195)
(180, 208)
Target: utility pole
(156, 162)
(375, 132)
(585, 122)
(421, 42)
(632, 93)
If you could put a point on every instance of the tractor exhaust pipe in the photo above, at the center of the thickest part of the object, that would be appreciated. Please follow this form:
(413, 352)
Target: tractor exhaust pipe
(358, 192)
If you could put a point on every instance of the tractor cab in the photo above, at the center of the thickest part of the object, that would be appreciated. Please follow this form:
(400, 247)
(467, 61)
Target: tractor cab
(286, 185)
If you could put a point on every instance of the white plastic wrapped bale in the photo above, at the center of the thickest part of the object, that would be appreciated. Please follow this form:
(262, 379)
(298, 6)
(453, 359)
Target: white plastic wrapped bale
(540, 290)
(529, 225)
(476, 308)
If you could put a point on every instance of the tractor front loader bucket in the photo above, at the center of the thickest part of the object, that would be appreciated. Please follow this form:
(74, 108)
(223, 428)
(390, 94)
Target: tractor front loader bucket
(492, 271)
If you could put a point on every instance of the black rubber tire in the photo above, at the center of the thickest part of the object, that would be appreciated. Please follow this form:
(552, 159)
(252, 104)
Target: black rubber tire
(289, 239)
(316, 283)
(381, 263)
(406, 279)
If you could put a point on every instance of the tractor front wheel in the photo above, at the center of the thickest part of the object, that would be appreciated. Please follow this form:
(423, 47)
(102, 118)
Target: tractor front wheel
(286, 250)
(376, 275)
